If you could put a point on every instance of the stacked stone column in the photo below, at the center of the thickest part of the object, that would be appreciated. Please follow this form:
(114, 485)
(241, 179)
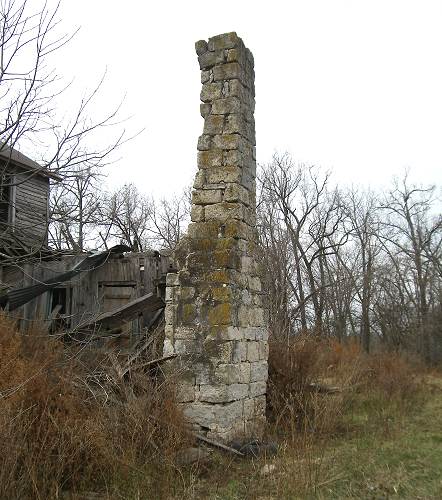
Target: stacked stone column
(214, 315)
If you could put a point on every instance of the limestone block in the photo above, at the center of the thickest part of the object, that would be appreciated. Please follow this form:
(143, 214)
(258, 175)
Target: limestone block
(208, 415)
(222, 393)
(205, 109)
(211, 91)
(256, 316)
(236, 88)
(235, 123)
(258, 388)
(236, 192)
(168, 348)
(170, 292)
(206, 197)
(230, 333)
(224, 211)
(224, 174)
(229, 373)
(204, 142)
(235, 55)
(201, 46)
(226, 105)
(227, 141)
(213, 125)
(224, 41)
(254, 285)
(258, 371)
(239, 351)
(228, 259)
(249, 408)
(204, 373)
(184, 333)
(257, 300)
(208, 59)
(205, 76)
(249, 333)
(220, 314)
(212, 158)
(200, 179)
(243, 316)
(197, 213)
(185, 392)
(221, 294)
(253, 352)
(227, 71)
(170, 314)
(250, 217)
(183, 346)
(261, 333)
(234, 158)
(199, 230)
(187, 292)
(260, 405)
(263, 350)
(172, 279)
(244, 373)
(246, 261)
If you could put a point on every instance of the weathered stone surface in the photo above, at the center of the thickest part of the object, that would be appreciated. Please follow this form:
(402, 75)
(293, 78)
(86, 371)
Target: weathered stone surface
(258, 371)
(208, 159)
(226, 105)
(209, 59)
(213, 125)
(201, 46)
(224, 41)
(206, 196)
(227, 141)
(211, 91)
(205, 109)
(235, 192)
(224, 174)
(197, 213)
(227, 71)
(253, 352)
(224, 211)
(214, 315)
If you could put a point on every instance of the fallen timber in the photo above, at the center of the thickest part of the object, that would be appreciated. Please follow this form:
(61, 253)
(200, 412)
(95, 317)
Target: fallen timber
(109, 321)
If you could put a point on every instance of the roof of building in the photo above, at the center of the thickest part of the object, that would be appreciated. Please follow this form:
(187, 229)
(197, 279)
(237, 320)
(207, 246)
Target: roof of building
(11, 155)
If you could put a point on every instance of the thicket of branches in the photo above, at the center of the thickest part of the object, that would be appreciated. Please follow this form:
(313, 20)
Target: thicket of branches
(351, 262)
(83, 217)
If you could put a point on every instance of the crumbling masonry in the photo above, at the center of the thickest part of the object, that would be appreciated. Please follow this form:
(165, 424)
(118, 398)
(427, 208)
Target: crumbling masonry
(214, 315)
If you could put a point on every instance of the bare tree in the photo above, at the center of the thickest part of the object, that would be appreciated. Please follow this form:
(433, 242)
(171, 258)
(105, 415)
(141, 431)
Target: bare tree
(75, 207)
(168, 219)
(412, 237)
(29, 88)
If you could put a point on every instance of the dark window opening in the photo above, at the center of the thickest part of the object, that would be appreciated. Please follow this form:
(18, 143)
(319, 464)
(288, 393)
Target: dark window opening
(59, 309)
(5, 197)
(59, 299)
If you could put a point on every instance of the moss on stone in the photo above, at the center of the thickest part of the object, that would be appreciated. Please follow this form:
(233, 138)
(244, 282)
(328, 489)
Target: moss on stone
(221, 294)
(220, 314)
(188, 313)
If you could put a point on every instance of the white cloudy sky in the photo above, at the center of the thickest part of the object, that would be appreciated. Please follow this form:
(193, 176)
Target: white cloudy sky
(351, 85)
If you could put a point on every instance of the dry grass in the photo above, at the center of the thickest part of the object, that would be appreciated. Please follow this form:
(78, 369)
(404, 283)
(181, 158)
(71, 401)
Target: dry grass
(68, 427)
(70, 424)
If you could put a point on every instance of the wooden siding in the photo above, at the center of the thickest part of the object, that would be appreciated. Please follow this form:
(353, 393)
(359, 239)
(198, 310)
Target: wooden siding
(31, 208)
(85, 292)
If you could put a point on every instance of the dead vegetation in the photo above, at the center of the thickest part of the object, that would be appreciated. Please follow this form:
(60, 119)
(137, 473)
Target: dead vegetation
(76, 422)
(70, 425)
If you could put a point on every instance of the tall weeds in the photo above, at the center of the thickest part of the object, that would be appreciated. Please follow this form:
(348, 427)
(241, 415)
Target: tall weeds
(64, 427)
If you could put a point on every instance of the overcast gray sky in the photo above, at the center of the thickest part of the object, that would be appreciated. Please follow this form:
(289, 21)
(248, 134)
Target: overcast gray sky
(352, 85)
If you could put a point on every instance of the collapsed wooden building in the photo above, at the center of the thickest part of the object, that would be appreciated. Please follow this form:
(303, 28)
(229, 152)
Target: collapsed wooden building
(115, 291)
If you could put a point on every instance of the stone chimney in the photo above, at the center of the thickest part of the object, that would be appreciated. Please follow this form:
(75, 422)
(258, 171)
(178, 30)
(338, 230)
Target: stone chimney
(214, 315)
